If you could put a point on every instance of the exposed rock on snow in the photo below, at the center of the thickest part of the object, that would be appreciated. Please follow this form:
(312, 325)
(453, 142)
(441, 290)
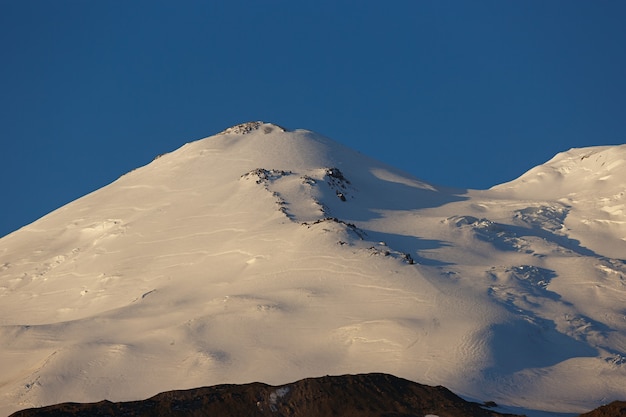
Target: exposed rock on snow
(347, 226)
(266, 175)
(245, 128)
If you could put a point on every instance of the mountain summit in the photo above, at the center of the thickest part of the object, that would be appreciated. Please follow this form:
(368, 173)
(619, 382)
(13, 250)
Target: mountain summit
(252, 126)
(267, 254)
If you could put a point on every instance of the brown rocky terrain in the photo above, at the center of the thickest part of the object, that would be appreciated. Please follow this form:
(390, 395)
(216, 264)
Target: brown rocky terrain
(365, 395)
(614, 409)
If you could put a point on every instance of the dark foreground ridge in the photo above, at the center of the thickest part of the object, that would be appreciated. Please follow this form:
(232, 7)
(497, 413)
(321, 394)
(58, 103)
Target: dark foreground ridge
(365, 395)
(614, 409)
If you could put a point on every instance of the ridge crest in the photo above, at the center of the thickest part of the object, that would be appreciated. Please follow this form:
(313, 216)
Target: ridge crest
(249, 127)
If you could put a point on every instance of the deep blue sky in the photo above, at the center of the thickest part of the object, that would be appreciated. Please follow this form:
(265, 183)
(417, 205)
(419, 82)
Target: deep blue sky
(458, 93)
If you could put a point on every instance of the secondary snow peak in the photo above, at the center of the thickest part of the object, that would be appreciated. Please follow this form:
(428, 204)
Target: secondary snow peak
(588, 187)
(577, 172)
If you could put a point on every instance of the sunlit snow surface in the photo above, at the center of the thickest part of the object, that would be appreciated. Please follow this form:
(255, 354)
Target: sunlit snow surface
(261, 254)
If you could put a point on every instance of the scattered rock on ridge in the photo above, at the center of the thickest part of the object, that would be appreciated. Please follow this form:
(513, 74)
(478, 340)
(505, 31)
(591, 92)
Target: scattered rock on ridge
(266, 175)
(337, 182)
(245, 128)
(350, 226)
(364, 395)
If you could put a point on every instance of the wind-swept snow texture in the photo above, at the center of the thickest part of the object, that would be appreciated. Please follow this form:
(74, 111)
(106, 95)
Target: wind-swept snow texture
(261, 254)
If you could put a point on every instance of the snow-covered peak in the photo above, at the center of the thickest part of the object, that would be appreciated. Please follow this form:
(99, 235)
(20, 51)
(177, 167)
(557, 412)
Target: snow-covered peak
(273, 255)
(590, 184)
(598, 170)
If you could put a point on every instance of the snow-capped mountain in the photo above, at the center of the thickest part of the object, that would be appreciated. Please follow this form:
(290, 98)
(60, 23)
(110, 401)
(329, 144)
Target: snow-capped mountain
(261, 254)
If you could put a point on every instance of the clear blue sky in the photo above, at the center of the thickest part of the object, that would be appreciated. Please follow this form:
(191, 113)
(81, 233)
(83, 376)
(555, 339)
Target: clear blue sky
(460, 93)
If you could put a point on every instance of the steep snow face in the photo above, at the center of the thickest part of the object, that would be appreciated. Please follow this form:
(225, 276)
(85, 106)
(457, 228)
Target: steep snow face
(262, 254)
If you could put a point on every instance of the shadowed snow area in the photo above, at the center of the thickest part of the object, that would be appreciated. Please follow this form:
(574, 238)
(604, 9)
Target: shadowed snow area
(264, 254)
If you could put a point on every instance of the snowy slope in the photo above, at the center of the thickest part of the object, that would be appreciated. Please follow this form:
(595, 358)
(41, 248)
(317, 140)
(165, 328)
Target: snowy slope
(590, 183)
(260, 254)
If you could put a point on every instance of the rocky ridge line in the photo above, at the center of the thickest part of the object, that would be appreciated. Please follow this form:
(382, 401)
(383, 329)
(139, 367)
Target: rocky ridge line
(364, 395)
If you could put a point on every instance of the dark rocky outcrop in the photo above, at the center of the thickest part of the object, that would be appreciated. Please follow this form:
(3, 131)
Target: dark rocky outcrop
(614, 409)
(365, 395)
